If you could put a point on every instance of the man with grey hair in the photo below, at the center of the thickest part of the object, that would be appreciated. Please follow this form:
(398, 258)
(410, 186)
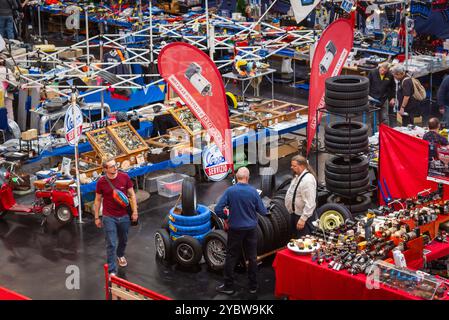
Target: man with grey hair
(404, 102)
(244, 204)
(381, 89)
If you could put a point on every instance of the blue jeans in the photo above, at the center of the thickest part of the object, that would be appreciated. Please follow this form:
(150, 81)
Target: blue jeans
(7, 27)
(115, 229)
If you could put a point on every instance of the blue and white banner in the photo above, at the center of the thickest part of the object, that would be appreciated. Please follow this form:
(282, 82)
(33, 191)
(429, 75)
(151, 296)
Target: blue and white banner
(302, 8)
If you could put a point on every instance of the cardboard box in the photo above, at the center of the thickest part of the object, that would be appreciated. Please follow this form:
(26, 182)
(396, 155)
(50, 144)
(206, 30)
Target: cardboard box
(71, 53)
(285, 147)
(29, 135)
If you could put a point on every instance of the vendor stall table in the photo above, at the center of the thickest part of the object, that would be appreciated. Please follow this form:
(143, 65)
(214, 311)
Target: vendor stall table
(234, 77)
(298, 277)
(287, 127)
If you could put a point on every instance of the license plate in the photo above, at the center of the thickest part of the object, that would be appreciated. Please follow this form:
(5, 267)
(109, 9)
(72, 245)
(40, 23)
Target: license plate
(75, 201)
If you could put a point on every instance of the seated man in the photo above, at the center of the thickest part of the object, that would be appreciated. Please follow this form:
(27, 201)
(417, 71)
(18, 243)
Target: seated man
(434, 138)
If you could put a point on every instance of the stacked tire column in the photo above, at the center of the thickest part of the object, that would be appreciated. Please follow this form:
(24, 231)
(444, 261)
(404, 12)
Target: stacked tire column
(346, 171)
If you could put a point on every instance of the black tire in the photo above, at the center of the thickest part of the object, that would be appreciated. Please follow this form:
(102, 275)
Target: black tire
(283, 182)
(187, 251)
(356, 205)
(164, 224)
(339, 164)
(344, 176)
(276, 230)
(163, 244)
(348, 192)
(336, 103)
(330, 224)
(268, 233)
(260, 241)
(346, 146)
(353, 110)
(345, 140)
(348, 151)
(348, 83)
(217, 223)
(346, 95)
(346, 129)
(267, 182)
(63, 214)
(188, 197)
(214, 249)
(347, 184)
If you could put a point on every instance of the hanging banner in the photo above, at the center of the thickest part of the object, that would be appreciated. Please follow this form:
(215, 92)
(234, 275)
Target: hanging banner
(302, 8)
(329, 58)
(403, 163)
(197, 81)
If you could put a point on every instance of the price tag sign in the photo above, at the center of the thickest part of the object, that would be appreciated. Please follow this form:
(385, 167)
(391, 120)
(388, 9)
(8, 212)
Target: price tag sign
(347, 5)
(73, 125)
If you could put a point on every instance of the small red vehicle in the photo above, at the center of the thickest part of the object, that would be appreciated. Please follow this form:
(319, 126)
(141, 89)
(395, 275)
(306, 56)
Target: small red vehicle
(51, 197)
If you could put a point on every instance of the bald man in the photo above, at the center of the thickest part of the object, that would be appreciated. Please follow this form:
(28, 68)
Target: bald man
(244, 204)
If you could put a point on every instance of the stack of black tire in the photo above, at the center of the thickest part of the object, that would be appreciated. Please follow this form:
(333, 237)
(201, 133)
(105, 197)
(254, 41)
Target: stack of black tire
(346, 172)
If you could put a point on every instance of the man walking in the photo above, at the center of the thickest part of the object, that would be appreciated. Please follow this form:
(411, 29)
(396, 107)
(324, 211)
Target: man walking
(115, 218)
(9, 9)
(244, 204)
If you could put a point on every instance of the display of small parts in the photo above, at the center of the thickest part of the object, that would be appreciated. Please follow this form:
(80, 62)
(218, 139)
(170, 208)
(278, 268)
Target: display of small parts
(85, 166)
(106, 144)
(260, 114)
(245, 118)
(171, 141)
(128, 137)
(189, 120)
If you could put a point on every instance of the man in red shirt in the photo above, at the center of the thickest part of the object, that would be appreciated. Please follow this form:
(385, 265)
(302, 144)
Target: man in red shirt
(115, 218)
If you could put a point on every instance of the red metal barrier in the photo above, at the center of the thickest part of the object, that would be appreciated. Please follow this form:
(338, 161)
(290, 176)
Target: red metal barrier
(119, 289)
(6, 294)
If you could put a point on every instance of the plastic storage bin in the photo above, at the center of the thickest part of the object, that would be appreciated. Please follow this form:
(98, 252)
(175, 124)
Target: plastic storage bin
(170, 185)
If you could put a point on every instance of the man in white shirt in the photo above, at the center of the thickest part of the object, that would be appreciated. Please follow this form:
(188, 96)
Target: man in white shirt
(300, 199)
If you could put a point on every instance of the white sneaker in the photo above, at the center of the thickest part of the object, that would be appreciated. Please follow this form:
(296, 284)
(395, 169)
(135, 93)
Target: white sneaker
(122, 262)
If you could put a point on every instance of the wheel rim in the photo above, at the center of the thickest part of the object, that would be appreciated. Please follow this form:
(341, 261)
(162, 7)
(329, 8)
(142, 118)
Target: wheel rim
(331, 219)
(160, 246)
(216, 252)
(185, 252)
(63, 214)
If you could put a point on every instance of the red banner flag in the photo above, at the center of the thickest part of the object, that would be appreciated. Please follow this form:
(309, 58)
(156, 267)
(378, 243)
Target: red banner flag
(197, 81)
(330, 55)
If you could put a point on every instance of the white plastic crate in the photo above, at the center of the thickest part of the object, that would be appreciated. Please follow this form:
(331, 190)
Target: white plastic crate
(170, 185)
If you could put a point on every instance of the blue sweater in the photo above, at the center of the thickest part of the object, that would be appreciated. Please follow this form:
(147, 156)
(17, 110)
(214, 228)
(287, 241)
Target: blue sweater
(244, 203)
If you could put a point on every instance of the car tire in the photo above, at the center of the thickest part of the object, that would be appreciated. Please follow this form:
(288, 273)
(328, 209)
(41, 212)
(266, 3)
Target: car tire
(338, 164)
(163, 244)
(350, 110)
(336, 103)
(202, 216)
(187, 251)
(267, 182)
(358, 204)
(347, 192)
(268, 233)
(214, 249)
(347, 184)
(190, 231)
(345, 177)
(283, 182)
(331, 216)
(346, 95)
(217, 223)
(347, 83)
(346, 129)
(260, 240)
(188, 197)
(346, 146)
(345, 140)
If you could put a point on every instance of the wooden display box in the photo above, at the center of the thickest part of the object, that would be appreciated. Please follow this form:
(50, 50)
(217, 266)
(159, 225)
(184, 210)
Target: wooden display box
(291, 111)
(93, 167)
(270, 104)
(251, 121)
(177, 114)
(125, 134)
(105, 143)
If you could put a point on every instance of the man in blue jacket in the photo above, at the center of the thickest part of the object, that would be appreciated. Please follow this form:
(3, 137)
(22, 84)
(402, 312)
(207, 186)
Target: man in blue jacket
(244, 204)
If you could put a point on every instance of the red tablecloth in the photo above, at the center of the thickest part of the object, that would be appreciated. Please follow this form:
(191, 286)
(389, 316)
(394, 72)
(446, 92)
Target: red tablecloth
(297, 277)
(6, 294)
(437, 250)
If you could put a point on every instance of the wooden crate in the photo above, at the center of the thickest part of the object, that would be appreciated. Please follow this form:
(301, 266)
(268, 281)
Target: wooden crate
(176, 113)
(115, 130)
(291, 111)
(94, 167)
(96, 138)
(270, 104)
(253, 122)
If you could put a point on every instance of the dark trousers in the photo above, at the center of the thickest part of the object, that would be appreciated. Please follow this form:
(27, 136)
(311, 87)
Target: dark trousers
(237, 239)
(295, 233)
